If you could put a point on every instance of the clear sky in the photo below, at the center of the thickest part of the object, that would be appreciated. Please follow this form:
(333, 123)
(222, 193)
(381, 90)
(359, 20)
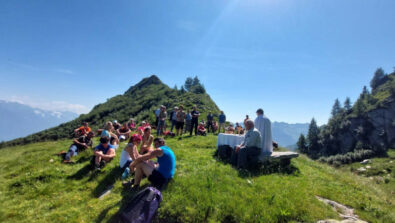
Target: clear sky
(292, 58)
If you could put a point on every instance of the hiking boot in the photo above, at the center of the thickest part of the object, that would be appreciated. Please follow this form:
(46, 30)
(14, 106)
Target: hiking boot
(60, 153)
(128, 184)
(102, 164)
(135, 188)
(68, 162)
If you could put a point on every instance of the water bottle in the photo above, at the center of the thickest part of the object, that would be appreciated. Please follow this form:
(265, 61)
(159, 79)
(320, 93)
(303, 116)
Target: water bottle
(125, 173)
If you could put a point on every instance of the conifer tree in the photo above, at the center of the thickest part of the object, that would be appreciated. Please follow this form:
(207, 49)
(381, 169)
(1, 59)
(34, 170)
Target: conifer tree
(188, 83)
(182, 90)
(336, 109)
(378, 78)
(347, 105)
(302, 145)
(196, 81)
(312, 139)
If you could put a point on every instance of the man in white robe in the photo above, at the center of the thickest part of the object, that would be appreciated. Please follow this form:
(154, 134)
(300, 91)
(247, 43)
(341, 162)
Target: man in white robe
(264, 126)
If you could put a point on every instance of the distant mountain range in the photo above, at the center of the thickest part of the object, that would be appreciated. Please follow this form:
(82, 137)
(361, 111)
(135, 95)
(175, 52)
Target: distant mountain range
(19, 120)
(286, 134)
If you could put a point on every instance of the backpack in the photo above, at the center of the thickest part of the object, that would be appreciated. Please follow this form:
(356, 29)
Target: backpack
(143, 206)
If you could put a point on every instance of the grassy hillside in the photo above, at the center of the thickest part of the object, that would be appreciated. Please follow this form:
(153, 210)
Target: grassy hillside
(139, 102)
(33, 189)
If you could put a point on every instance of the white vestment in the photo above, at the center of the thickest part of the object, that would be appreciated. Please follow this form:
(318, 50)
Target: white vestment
(263, 124)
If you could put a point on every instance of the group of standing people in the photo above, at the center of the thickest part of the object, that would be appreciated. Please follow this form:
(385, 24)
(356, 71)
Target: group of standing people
(187, 121)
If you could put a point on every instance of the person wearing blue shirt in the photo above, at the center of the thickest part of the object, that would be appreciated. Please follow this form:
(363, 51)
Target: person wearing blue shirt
(104, 152)
(160, 174)
(221, 121)
(188, 120)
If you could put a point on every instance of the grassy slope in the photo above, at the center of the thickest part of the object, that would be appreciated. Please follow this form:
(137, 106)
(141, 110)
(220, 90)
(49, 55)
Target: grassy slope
(32, 189)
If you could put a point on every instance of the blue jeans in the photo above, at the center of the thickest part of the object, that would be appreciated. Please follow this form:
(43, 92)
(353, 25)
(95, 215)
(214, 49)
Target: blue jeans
(173, 123)
(72, 152)
(161, 124)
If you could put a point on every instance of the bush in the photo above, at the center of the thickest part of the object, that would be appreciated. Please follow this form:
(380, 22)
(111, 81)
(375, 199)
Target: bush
(347, 158)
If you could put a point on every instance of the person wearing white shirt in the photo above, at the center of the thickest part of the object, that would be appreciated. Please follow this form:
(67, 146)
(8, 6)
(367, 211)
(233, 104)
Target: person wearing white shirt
(264, 126)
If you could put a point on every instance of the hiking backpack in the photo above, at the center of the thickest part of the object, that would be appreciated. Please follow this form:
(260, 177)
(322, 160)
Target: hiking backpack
(143, 206)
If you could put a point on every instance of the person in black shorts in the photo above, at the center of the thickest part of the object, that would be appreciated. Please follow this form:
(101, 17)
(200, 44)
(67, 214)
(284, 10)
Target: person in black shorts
(159, 174)
(195, 120)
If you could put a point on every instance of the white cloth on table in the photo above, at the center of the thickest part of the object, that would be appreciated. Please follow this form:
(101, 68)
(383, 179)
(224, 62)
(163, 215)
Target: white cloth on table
(264, 126)
(229, 139)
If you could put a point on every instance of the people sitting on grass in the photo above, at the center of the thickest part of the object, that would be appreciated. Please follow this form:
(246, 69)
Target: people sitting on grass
(104, 152)
(215, 126)
(201, 129)
(129, 153)
(108, 131)
(147, 139)
(230, 129)
(238, 128)
(180, 121)
(221, 120)
(132, 124)
(116, 125)
(160, 174)
(79, 144)
(123, 133)
(83, 130)
(248, 152)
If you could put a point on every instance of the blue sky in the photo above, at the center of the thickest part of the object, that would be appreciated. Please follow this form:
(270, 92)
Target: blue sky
(292, 58)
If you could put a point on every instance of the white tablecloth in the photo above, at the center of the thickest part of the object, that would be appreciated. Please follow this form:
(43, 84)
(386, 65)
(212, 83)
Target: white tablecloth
(229, 139)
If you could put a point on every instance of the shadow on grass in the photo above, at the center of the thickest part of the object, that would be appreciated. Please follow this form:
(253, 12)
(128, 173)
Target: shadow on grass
(108, 180)
(84, 171)
(265, 168)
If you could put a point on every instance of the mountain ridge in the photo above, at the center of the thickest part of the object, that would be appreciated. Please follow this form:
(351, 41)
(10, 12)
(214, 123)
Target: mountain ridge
(139, 102)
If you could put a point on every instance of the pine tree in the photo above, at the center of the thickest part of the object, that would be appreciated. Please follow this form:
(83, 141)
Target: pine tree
(188, 83)
(336, 109)
(378, 78)
(302, 145)
(175, 87)
(182, 90)
(347, 105)
(365, 93)
(312, 139)
(196, 81)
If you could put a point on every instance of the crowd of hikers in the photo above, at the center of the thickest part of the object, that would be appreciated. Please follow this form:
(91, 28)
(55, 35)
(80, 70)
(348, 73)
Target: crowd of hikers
(147, 156)
(142, 148)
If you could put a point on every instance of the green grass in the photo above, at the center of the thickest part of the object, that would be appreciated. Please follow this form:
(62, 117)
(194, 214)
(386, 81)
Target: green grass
(33, 189)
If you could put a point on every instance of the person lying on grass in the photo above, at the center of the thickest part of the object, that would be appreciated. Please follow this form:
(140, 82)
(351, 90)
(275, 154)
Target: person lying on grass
(104, 152)
(147, 139)
(158, 174)
(79, 144)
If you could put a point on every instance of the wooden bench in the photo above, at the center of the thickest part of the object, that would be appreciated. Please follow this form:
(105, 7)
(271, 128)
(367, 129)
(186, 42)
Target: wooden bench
(284, 157)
